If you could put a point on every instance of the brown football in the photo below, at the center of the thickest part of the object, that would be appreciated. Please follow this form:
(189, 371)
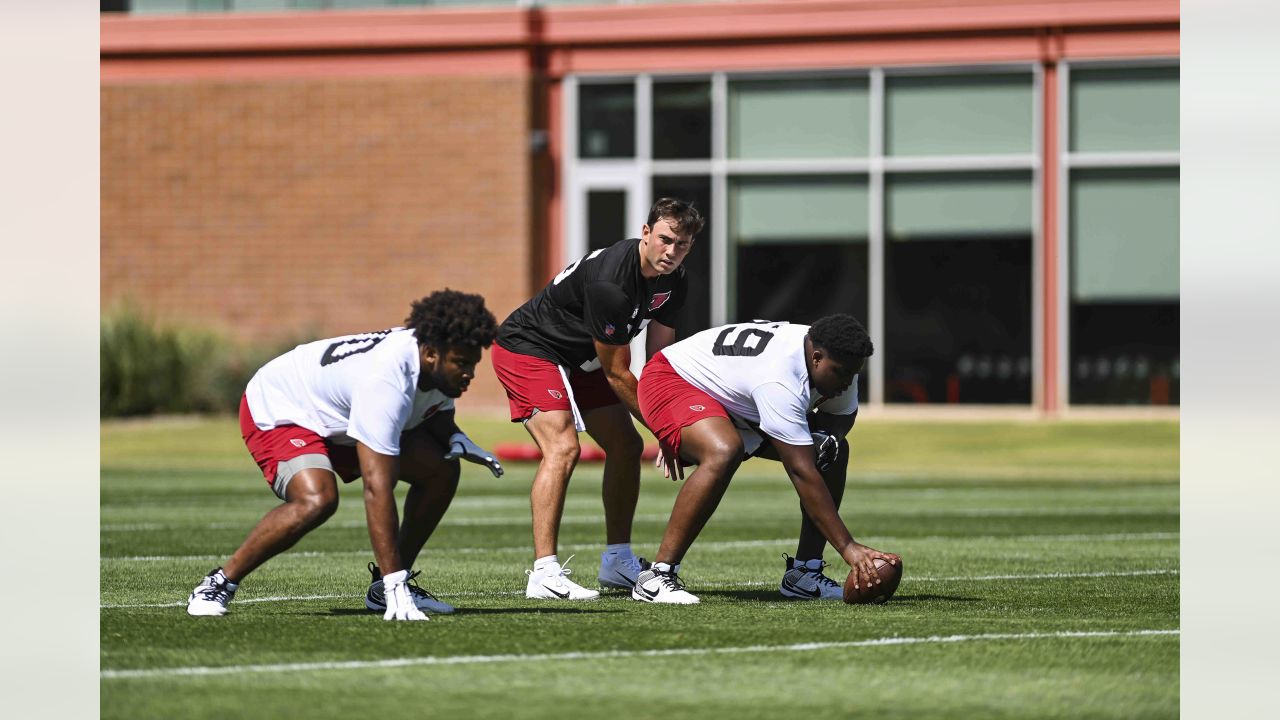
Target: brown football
(890, 576)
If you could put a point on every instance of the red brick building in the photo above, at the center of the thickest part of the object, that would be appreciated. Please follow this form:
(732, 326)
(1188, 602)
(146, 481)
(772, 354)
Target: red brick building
(272, 174)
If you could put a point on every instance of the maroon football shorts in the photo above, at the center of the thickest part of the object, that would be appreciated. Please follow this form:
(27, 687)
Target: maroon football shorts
(535, 385)
(670, 404)
(271, 447)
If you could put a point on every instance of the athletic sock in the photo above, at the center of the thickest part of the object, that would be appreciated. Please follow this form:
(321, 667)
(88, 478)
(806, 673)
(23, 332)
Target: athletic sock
(543, 563)
(663, 567)
(623, 549)
(813, 565)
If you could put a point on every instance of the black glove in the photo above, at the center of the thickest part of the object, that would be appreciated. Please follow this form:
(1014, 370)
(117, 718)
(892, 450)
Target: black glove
(826, 449)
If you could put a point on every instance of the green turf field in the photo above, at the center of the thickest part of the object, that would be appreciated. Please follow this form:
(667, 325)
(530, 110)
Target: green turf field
(1041, 582)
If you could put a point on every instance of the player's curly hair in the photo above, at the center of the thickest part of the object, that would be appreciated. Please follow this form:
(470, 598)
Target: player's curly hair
(843, 337)
(682, 215)
(448, 318)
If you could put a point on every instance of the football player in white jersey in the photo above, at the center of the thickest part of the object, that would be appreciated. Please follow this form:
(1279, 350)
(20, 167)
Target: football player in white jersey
(378, 406)
(762, 389)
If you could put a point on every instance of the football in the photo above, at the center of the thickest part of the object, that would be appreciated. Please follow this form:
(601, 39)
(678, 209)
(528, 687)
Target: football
(890, 576)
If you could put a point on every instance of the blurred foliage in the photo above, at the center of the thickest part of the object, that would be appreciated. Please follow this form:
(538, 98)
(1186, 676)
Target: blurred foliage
(151, 368)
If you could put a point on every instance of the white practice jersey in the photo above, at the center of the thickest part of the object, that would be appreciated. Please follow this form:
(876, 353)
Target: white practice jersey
(357, 387)
(758, 372)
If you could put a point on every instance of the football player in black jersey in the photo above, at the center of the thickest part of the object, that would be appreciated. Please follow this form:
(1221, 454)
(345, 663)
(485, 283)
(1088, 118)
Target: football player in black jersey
(564, 359)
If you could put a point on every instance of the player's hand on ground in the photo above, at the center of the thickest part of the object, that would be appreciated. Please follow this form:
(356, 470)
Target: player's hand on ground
(460, 446)
(400, 605)
(669, 463)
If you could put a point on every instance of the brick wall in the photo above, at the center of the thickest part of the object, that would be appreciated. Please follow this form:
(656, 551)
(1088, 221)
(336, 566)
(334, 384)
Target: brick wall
(273, 208)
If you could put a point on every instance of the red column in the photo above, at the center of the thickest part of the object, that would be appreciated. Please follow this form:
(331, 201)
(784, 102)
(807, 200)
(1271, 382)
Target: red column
(1049, 164)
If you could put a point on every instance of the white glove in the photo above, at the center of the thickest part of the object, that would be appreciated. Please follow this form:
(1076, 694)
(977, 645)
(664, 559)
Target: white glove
(400, 605)
(826, 449)
(460, 446)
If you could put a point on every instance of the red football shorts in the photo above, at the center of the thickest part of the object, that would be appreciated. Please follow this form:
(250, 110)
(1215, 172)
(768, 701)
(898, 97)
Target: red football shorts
(669, 403)
(534, 384)
(271, 447)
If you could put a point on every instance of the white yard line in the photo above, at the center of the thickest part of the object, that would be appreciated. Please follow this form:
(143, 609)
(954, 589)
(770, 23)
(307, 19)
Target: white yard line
(708, 545)
(614, 654)
(710, 586)
(523, 519)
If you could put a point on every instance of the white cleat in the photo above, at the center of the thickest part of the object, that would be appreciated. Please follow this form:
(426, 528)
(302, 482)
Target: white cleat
(375, 600)
(620, 572)
(655, 586)
(553, 583)
(211, 596)
(803, 583)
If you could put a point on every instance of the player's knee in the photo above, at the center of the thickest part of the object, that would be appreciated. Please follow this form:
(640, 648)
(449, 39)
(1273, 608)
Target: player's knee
(724, 455)
(319, 506)
(561, 451)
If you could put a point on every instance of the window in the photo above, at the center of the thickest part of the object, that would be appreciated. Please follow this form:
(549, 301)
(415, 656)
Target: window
(813, 118)
(798, 249)
(958, 287)
(681, 120)
(698, 263)
(1124, 286)
(607, 120)
(1126, 110)
(958, 114)
(1122, 219)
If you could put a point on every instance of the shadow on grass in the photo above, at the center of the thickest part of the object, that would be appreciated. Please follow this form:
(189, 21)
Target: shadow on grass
(774, 596)
(479, 611)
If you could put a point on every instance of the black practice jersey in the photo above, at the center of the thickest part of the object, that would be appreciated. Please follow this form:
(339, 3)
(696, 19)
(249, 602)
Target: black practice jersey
(601, 297)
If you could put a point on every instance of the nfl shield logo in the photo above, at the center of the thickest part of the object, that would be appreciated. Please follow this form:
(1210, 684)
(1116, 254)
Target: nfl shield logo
(608, 329)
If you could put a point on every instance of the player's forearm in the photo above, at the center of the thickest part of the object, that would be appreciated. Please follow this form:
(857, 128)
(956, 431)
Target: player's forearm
(379, 472)
(624, 386)
(816, 501)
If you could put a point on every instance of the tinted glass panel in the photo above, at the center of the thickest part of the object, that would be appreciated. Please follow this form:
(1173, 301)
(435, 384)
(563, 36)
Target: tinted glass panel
(1125, 353)
(1131, 109)
(1124, 234)
(957, 204)
(606, 218)
(958, 320)
(681, 120)
(790, 118)
(799, 249)
(958, 114)
(697, 188)
(607, 121)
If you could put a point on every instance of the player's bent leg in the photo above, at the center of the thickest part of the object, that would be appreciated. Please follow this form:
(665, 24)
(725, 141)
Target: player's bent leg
(311, 497)
(557, 439)
(611, 427)
(716, 447)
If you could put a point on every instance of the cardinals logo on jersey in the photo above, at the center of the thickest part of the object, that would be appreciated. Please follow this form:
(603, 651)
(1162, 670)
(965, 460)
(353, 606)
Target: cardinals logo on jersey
(697, 408)
(658, 300)
(556, 394)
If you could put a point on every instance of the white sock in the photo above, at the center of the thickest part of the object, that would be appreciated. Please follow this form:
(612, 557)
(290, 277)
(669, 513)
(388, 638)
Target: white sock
(813, 565)
(623, 549)
(662, 567)
(544, 563)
